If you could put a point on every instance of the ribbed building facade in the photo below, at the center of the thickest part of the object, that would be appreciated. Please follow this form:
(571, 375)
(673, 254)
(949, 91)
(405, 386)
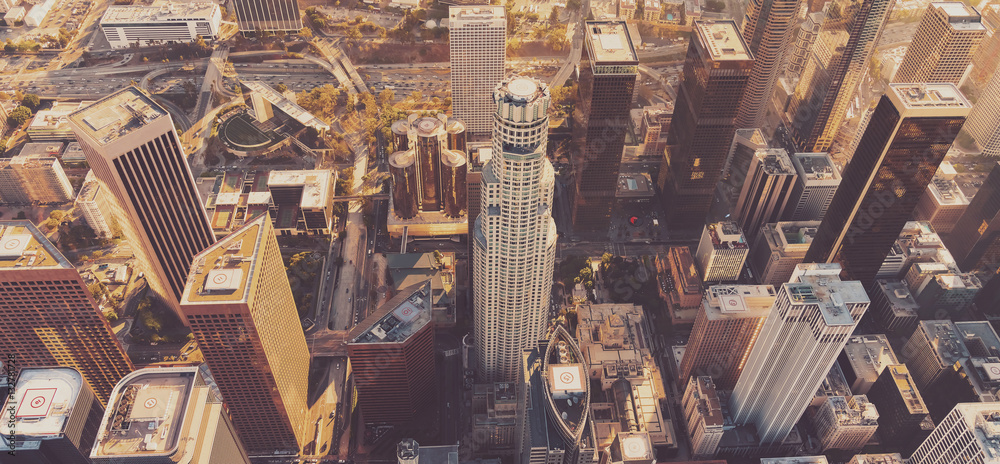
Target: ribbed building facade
(968, 435)
(766, 23)
(133, 149)
(478, 44)
(942, 47)
(28, 178)
(766, 193)
(515, 235)
(985, 118)
(428, 166)
(267, 15)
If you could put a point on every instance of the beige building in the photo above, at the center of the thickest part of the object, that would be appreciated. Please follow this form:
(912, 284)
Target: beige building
(478, 41)
(703, 417)
(969, 434)
(765, 25)
(863, 360)
(722, 252)
(943, 45)
(779, 247)
(893, 458)
(846, 423)
(33, 179)
(943, 202)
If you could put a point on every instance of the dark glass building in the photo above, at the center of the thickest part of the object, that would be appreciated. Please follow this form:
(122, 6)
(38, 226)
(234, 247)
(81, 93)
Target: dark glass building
(975, 240)
(910, 132)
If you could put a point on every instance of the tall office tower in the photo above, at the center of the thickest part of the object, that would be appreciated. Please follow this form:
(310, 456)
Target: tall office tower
(167, 415)
(478, 43)
(428, 167)
(948, 294)
(724, 332)
(943, 203)
(494, 419)
(703, 417)
(903, 415)
(715, 75)
(392, 357)
(985, 117)
(943, 45)
(608, 72)
(766, 23)
(256, 16)
(33, 178)
(766, 191)
(845, 423)
(933, 348)
(969, 434)
(911, 130)
(974, 241)
(986, 57)
(48, 314)
(132, 147)
(893, 307)
(722, 251)
(515, 235)
(802, 41)
(863, 360)
(812, 318)
(680, 285)
(780, 247)
(242, 314)
(745, 143)
(817, 182)
(836, 64)
(52, 416)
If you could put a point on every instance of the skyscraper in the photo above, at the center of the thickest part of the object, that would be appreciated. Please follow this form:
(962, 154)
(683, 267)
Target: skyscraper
(722, 252)
(515, 235)
(702, 416)
(168, 415)
(241, 311)
(392, 357)
(478, 43)
(903, 415)
(985, 117)
(30, 178)
(766, 192)
(943, 45)
(987, 55)
(766, 24)
(48, 315)
(130, 143)
(780, 247)
(846, 423)
(911, 130)
(817, 182)
(943, 203)
(428, 166)
(801, 41)
(974, 242)
(811, 320)
(839, 56)
(608, 75)
(969, 434)
(256, 16)
(716, 71)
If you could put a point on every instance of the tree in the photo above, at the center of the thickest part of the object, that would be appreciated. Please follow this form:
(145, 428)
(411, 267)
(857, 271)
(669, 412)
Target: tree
(354, 33)
(305, 33)
(640, 10)
(281, 87)
(57, 215)
(19, 116)
(385, 97)
(417, 95)
(97, 254)
(554, 16)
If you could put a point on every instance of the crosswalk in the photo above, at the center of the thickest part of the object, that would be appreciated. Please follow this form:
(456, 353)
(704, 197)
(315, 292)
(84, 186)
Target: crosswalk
(615, 248)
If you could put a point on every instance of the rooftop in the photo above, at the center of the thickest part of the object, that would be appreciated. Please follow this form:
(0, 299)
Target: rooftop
(798, 234)
(223, 272)
(397, 319)
(946, 340)
(869, 355)
(726, 235)
(907, 388)
(738, 301)
(855, 410)
(984, 421)
(146, 412)
(159, 11)
(45, 149)
(935, 100)
(723, 40)
(709, 405)
(42, 402)
(979, 338)
(832, 295)
(796, 460)
(566, 384)
(286, 106)
(816, 168)
(893, 458)
(961, 17)
(475, 14)
(776, 161)
(56, 117)
(834, 383)
(946, 192)
(315, 182)
(117, 115)
(609, 42)
(23, 246)
(901, 301)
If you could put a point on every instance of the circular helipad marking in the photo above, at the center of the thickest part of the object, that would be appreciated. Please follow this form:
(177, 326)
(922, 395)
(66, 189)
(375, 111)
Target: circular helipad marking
(12, 243)
(522, 86)
(37, 401)
(732, 302)
(220, 279)
(150, 403)
(407, 311)
(994, 370)
(567, 377)
(426, 124)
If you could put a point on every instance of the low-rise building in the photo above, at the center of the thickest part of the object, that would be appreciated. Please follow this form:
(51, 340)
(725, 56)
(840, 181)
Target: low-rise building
(846, 423)
(888, 458)
(300, 202)
(53, 124)
(160, 23)
(33, 179)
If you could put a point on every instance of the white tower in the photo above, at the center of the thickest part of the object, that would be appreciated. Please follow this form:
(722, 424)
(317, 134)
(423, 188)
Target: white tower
(478, 41)
(514, 237)
(812, 318)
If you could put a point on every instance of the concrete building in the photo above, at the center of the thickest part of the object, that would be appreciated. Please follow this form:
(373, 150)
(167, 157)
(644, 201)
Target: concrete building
(162, 22)
(745, 144)
(654, 129)
(943, 44)
(725, 331)
(392, 356)
(53, 124)
(93, 202)
(893, 309)
(515, 235)
(122, 135)
(863, 360)
(969, 434)
(608, 72)
(975, 239)
(703, 417)
(883, 183)
(267, 15)
(947, 295)
(780, 247)
(478, 43)
(943, 203)
(766, 193)
(985, 117)
(265, 99)
(53, 417)
(168, 415)
(796, 460)
(722, 251)
(837, 61)
(494, 419)
(976, 379)
(242, 313)
(38, 12)
(404, 270)
(893, 458)
(679, 284)
(703, 123)
(846, 423)
(33, 179)
(817, 182)
(300, 202)
(917, 243)
(987, 55)
(765, 27)
(801, 43)
(49, 316)
(791, 356)
(904, 416)
(934, 347)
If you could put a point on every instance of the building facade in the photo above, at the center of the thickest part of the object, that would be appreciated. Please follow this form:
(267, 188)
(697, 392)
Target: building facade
(703, 417)
(780, 247)
(765, 27)
(974, 241)
(160, 23)
(943, 44)
(255, 16)
(478, 43)
(943, 203)
(816, 184)
(846, 423)
(969, 434)
(722, 251)
(33, 179)
(904, 416)
(766, 193)
(985, 117)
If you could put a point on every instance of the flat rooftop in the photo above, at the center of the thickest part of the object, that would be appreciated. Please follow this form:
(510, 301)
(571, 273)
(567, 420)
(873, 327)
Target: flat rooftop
(146, 413)
(723, 40)
(862, 412)
(776, 161)
(609, 42)
(946, 192)
(23, 246)
(907, 389)
(292, 109)
(738, 301)
(832, 295)
(44, 149)
(159, 12)
(494, 15)
(796, 460)
(962, 17)
(223, 272)
(57, 117)
(983, 419)
(901, 301)
(397, 319)
(42, 402)
(797, 232)
(816, 168)
(726, 235)
(946, 341)
(892, 458)
(979, 338)
(930, 96)
(315, 184)
(117, 115)
(869, 355)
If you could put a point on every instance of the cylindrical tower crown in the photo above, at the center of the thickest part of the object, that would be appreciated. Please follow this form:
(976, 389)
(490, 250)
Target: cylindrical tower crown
(400, 135)
(456, 135)
(430, 140)
(404, 183)
(521, 120)
(453, 167)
